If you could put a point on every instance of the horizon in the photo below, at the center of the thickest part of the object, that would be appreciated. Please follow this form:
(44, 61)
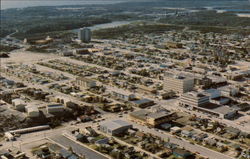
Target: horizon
(7, 4)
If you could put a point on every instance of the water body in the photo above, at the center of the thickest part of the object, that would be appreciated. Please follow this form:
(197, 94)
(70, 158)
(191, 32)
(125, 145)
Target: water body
(6, 4)
(107, 25)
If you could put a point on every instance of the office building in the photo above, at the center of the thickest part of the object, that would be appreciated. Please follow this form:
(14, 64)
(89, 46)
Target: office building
(194, 99)
(178, 83)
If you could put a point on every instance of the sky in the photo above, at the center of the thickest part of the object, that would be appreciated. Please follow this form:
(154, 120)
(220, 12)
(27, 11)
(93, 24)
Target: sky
(28, 3)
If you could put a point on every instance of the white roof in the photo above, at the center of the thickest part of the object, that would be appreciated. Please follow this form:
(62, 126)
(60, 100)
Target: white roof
(115, 124)
(18, 101)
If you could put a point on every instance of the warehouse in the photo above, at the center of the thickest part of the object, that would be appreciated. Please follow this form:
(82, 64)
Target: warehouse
(115, 127)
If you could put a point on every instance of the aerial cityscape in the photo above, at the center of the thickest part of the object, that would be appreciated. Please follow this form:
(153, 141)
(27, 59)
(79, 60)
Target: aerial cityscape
(141, 79)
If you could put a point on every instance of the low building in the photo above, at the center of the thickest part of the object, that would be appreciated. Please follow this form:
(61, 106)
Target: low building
(193, 99)
(175, 129)
(152, 119)
(18, 104)
(171, 44)
(186, 133)
(199, 137)
(81, 51)
(66, 101)
(123, 96)
(180, 153)
(9, 136)
(32, 111)
(242, 107)
(85, 83)
(224, 112)
(115, 127)
(142, 103)
(209, 141)
(229, 91)
(55, 108)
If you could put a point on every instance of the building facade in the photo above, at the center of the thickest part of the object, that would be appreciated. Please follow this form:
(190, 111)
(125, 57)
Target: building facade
(115, 127)
(85, 83)
(84, 35)
(193, 99)
(178, 83)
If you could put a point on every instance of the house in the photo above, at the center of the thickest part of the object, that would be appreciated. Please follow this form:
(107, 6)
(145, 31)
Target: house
(246, 154)
(170, 145)
(102, 141)
(221, 146)
(209, 141)
(115, 127)
(186, 133)
(199, 137)
(232, 132)
(181, 153)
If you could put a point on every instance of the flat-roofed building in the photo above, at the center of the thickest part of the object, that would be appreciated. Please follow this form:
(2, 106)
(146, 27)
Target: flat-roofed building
(178, 83)
(142, 103)
(32, 111)
(193, 99)
(55, 108)
(85, 83)
(153, 119)
(123, 95)
(18, 104)
(115, 127)
(224, 112)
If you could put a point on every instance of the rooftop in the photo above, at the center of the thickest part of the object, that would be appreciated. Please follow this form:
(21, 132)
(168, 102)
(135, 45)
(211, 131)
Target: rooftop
(141, 101)
(115, 124)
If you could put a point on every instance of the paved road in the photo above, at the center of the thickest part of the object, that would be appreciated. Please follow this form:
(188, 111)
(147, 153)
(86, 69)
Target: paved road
(77, 148)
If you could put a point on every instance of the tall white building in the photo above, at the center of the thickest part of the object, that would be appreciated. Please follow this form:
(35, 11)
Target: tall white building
(84, 35)
(178, 83)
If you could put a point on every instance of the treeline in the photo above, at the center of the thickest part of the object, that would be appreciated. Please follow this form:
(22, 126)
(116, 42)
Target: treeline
(208, 18)
(61, 24)
(126, 31)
